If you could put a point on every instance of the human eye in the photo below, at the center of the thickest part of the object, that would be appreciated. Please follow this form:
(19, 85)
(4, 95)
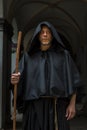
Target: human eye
(48, 32)
(42, 32)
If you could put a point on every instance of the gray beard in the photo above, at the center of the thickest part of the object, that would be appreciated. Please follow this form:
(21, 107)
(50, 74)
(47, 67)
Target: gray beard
(46, 44)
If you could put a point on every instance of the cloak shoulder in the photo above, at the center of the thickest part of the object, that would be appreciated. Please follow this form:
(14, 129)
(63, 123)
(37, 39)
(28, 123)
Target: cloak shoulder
(62, 75)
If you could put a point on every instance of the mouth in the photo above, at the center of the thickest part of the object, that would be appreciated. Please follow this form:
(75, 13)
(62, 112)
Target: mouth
(44, 39)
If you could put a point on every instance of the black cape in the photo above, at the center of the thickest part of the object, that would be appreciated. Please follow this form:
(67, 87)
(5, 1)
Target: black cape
(47, 73)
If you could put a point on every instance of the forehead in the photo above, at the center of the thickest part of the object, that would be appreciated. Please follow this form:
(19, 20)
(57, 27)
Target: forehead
(44, 27)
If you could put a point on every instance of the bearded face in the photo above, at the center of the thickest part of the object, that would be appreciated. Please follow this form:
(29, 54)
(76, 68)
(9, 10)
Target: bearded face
(45, 35)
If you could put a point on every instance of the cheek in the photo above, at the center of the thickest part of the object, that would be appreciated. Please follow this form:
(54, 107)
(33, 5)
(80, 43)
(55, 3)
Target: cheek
(50, 38)
(40, 37)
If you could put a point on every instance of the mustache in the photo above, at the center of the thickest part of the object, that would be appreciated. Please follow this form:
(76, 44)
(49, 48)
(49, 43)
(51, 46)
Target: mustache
(45, 39)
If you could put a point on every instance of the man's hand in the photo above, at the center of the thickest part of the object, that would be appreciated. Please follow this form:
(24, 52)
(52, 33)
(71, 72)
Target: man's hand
(15, 78)
(71, 110)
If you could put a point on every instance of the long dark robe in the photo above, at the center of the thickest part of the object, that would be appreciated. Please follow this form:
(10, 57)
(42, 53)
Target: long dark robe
(46, 73)
(39, 114)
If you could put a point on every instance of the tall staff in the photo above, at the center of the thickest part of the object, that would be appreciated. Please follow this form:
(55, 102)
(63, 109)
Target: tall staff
(16, 70)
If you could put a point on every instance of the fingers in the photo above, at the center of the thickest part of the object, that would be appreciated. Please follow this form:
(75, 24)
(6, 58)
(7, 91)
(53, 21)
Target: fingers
(15, 78)
(70, 113)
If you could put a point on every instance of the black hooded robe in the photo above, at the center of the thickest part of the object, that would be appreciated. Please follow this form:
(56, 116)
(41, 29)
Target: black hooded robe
(46, 73)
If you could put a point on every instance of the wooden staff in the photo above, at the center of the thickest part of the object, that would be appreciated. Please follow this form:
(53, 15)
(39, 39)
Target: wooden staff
(16, 70)
(56, 115)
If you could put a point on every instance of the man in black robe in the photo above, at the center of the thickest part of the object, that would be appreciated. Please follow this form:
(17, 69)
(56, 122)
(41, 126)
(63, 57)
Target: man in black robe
(46, 74)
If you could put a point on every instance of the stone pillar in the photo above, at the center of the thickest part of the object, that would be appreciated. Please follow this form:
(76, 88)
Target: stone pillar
(1, 35)
(1, 8)
(6, 33)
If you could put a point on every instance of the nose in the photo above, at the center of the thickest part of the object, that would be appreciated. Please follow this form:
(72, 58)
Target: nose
(45, 33)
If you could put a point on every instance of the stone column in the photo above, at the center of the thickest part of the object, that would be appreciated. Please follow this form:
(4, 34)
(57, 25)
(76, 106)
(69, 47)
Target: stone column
(6, 33)
(1, 35)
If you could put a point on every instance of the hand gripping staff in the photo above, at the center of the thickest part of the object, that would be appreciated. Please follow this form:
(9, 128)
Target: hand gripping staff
(16, 70)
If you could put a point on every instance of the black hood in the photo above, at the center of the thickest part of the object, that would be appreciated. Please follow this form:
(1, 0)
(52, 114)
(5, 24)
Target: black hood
(35, 44)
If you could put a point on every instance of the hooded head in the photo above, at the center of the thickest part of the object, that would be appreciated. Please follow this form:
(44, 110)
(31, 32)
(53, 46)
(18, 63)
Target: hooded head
(54, 37)
(45, 36)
